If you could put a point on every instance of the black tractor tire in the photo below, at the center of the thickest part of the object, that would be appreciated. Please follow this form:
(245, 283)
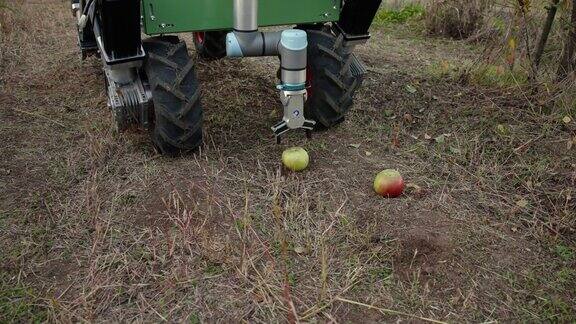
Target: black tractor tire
(177, 123)
(211, 45)
(330, 80)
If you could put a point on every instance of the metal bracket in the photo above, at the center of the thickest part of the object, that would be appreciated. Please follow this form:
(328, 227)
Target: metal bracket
(130, 103)
(136, 60)
(351, 40)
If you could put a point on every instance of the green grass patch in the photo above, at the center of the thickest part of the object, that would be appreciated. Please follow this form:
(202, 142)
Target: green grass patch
(565, 276)
(19, 304)
(391, 16)
(383, 274)
(499, 76)
(564, 252)
(554, 310)
(445, 69)
(3, 5)
(213, 269)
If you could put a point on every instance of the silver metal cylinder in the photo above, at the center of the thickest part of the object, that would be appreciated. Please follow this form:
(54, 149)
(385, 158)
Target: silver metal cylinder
(293, 60)
(293, 77)
(246, 15)
(293, 65)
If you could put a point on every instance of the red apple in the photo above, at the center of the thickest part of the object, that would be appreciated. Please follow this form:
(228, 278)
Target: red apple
(389, 183)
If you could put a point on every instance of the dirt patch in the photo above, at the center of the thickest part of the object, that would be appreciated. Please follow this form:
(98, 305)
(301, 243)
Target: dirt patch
(422, 251)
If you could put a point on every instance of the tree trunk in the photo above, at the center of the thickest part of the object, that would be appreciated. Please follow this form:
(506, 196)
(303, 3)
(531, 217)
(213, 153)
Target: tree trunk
(567, 62)
(552, 9)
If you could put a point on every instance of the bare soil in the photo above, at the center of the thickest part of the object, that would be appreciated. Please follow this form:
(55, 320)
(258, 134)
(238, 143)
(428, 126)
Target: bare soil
(95, 226)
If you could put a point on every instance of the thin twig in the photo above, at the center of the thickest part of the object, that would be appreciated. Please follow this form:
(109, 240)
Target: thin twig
(521, 147)
(389, 311)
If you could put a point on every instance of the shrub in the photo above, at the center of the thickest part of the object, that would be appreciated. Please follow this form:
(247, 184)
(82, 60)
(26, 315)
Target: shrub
(410, 11)
(458, 19)
(498, 75)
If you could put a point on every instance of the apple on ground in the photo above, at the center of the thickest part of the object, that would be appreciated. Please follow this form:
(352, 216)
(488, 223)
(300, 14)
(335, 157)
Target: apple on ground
(295, 159)
(389, 183)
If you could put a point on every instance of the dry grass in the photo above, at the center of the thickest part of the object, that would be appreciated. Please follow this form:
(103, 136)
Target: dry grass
(458, 19)
(94, 226)
(507, 30)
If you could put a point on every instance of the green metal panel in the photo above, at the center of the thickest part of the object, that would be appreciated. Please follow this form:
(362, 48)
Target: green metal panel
(174, 16)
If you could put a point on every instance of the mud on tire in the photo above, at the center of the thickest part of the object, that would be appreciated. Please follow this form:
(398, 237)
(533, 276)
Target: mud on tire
(177, 123)
(332, 85)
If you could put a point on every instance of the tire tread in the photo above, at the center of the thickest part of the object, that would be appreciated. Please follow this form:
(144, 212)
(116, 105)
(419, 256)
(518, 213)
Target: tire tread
(177, 125)
(333, 83)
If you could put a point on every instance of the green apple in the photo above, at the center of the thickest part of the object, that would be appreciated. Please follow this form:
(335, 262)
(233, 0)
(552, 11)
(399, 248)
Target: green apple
(295, 159)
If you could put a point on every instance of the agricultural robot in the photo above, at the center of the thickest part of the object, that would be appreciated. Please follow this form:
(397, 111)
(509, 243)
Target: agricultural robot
(151, 81)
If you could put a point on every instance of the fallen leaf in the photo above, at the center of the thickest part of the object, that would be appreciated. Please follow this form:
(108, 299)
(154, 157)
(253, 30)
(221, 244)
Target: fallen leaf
(511, 55)
(522, 203)
(258, 297)
(299, 249)
(567, 120)
(411, 88)
(445, 65)
(408, 118)
(501, 129)
(440, 139)
(512, 43)
(455, 150)
(427, 137)
(414, 189)
(368, 153)
(354, 145)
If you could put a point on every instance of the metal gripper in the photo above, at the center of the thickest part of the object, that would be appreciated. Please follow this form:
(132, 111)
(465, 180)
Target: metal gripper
(293, 102)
